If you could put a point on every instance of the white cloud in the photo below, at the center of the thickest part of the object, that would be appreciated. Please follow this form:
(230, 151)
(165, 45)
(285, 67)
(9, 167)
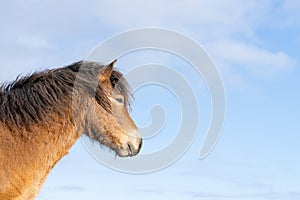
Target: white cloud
(254, 59)
(228, 28)
(50, 33)
(214, 18)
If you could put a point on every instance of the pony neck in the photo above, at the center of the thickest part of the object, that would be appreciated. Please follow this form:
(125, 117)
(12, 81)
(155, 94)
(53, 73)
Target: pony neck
(31, 154)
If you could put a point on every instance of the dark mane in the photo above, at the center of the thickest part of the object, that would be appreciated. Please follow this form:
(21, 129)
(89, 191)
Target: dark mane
(31, 98)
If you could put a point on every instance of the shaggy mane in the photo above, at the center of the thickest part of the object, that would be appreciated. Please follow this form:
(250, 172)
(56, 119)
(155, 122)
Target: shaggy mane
(31, 98)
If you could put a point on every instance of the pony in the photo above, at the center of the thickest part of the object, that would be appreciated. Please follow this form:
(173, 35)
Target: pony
(43, 114)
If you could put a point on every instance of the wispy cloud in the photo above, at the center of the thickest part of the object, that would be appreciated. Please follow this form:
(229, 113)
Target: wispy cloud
(228, 28)
(255, 60)
(63, 31)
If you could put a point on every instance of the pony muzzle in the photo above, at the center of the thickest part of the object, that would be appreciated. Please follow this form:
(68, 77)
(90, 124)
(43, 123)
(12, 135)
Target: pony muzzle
(131, 147)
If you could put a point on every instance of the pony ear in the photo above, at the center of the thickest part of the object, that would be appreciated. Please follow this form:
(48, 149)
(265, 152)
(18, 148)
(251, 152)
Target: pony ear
(107, 70)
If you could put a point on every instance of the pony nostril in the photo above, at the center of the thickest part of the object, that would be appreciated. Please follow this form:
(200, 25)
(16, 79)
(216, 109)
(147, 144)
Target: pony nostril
(130, 149)
(134, 149)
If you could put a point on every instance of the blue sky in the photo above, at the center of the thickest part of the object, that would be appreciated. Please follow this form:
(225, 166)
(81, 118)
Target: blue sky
(255, 45)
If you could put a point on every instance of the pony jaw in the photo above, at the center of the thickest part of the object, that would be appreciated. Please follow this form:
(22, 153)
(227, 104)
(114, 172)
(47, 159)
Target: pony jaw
(129, 145)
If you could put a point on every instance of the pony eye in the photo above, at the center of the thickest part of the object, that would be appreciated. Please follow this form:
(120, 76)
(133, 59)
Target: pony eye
(120, 99)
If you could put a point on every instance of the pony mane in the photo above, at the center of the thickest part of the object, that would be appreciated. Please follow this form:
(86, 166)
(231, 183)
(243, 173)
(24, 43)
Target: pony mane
(32, 98)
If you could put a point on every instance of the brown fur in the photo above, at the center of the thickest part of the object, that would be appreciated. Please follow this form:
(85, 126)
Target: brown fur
(28, 99)
(42, 115)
